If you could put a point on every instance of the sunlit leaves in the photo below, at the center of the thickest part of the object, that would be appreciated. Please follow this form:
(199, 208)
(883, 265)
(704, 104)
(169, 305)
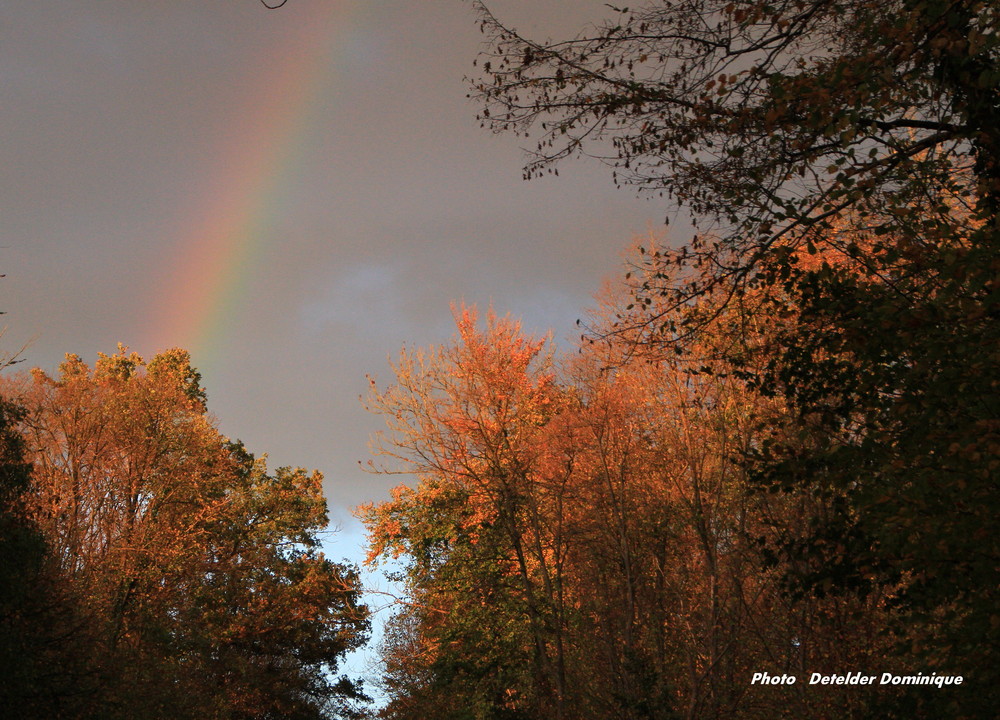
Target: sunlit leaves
(584, 529)
(195, 569)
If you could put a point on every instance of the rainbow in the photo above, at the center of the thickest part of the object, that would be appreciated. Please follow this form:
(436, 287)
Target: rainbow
(206, 286)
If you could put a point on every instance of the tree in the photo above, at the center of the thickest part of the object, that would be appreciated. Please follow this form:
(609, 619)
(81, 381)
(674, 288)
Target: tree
(44, 647)
(197, 571)
(465, 418)
(722, 610)
(22, 553)
(846, 158)
(585, 542)
(769, 118)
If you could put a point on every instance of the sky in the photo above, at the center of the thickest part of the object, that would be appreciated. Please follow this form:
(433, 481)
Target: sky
(291, 195)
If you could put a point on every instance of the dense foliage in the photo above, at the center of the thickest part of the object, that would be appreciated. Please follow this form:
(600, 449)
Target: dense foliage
(189, 575)
(834, 327)
(776, 449)
(582, 544)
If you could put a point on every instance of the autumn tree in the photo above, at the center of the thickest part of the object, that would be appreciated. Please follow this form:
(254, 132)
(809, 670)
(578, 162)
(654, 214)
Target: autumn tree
(585, 542)
(798, 130)
(196, 569)
(720, 603)
(482, 545)
(44, 644)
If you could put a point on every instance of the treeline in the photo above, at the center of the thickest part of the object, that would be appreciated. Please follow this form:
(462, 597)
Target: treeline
(586, 539)
(638, 527)
(777, 449)
(151, 567)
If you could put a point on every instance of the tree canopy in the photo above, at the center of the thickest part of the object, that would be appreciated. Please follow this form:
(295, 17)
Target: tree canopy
(194, 572)
(583, 544)
(842, 161)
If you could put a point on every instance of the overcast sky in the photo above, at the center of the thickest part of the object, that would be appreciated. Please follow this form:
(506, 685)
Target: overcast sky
(291, 195)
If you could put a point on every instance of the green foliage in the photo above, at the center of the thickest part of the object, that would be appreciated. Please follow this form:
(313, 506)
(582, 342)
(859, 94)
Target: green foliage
(460, 644)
